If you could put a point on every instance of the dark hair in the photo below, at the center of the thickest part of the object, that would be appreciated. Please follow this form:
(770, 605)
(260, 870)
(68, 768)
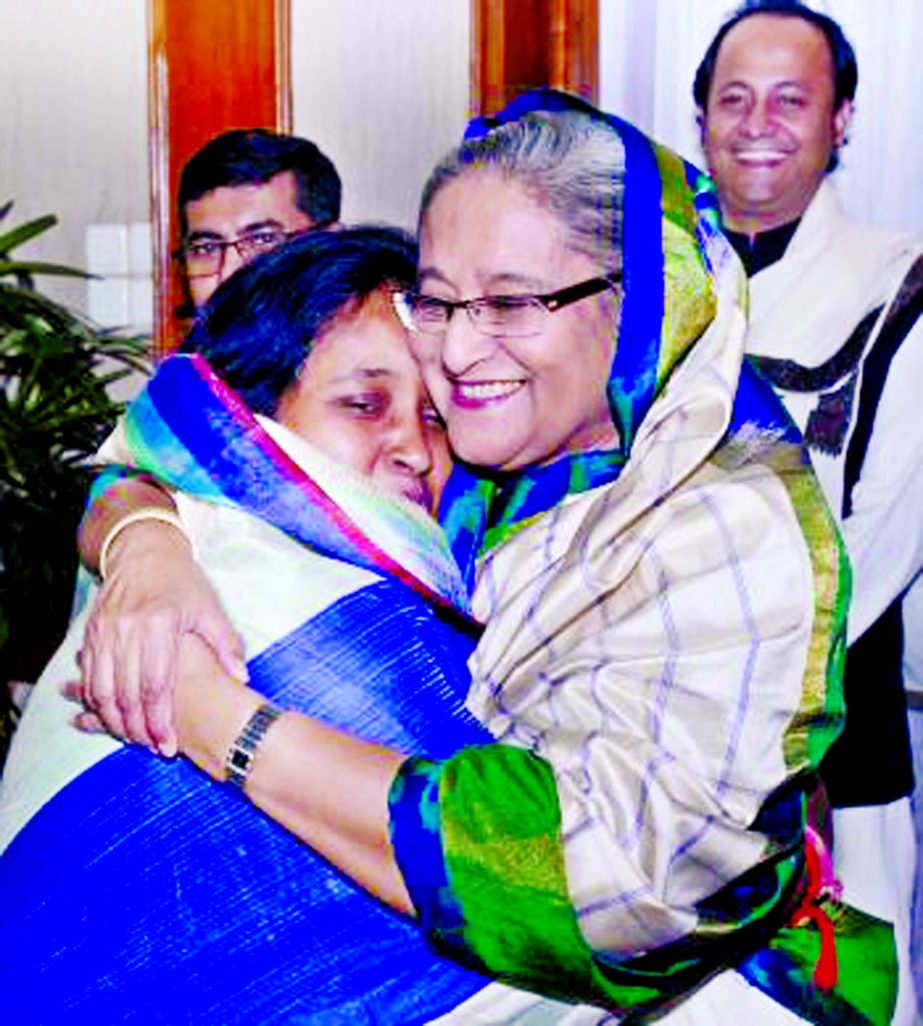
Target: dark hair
(251, 156)
(258, 328)
(845, 70)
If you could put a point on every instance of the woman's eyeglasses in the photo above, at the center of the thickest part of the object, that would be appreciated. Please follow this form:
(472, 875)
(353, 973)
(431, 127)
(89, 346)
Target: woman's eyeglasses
(513, 316)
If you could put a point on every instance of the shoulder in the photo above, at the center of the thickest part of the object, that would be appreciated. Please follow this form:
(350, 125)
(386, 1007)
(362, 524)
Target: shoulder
(829, 241)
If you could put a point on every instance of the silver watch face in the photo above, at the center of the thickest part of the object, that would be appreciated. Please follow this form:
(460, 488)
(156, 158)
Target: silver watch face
(239, 760)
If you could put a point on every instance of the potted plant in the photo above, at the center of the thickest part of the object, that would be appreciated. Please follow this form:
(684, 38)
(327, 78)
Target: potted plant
(54, 412)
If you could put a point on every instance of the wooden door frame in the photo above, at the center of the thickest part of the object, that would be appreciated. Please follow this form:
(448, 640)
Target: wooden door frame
(211, 67)
(219, 65)
(520, 44)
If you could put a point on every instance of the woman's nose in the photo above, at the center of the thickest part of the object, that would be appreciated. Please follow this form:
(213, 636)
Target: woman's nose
(464, 345)
(408, 447)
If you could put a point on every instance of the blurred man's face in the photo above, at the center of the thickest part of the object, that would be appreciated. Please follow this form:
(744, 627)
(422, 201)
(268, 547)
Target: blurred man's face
(255, 217)
(769, 127)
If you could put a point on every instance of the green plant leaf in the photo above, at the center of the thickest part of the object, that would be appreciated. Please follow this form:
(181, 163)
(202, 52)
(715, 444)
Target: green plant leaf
(24, 232)
(55, 412)
(29, 267)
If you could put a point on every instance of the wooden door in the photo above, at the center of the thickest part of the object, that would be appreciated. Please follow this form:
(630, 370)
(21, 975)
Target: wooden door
(520, 44)
(213, 65)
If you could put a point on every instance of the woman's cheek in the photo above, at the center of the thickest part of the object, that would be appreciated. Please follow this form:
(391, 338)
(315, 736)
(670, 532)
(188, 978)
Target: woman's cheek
(437, 385)
(442, 461)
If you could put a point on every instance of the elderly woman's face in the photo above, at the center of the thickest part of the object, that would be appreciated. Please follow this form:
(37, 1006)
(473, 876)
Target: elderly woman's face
(361, 400)
(513, 401)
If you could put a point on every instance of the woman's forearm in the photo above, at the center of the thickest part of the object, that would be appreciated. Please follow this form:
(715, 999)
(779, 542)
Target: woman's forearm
(328, 788)
(127, 496)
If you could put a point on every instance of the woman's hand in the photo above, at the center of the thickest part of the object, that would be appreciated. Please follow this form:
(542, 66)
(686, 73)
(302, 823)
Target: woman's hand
(153, 595)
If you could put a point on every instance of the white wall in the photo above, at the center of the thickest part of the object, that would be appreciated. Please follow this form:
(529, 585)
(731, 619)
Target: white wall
(649, 50)
(382, 87)
(73, 122)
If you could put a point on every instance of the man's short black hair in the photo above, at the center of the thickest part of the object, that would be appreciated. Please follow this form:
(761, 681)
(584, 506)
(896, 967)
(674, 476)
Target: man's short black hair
(251, 156)
(845, 70)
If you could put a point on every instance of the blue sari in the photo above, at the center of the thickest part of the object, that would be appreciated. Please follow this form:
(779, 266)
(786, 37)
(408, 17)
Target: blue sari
(138, 891)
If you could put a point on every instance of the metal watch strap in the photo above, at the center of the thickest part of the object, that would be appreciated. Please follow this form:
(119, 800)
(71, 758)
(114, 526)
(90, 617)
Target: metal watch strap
(239, 760)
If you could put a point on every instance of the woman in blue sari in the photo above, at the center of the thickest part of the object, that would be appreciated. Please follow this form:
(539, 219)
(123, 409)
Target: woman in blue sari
(306, 458)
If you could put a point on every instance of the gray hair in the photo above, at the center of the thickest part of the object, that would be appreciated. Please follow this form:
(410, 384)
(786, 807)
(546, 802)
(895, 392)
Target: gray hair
(571, 163)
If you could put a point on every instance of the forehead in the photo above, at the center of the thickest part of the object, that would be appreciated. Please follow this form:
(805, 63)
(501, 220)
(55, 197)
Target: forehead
(231, 207)
(487, 225)
(766, 47)
(365, 340)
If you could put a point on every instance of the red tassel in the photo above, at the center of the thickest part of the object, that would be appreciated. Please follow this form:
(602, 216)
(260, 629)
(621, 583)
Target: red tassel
(826, 971)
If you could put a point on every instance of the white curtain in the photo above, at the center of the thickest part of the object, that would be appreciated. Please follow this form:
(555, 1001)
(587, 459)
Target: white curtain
(649, 50)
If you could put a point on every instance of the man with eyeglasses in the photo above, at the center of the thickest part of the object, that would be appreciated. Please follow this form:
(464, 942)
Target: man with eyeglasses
(835, 326)
(244, 193)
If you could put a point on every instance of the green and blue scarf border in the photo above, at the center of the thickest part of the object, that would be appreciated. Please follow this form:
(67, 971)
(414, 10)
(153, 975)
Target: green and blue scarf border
(481, 510)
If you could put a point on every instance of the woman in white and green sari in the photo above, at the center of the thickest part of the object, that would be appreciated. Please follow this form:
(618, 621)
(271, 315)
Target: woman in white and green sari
(663, 594)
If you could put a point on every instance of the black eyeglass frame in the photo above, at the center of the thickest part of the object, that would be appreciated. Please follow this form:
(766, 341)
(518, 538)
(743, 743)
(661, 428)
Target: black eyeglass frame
(550, 302)
(225, 244)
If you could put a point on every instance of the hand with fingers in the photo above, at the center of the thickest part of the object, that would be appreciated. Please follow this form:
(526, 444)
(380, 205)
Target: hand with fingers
(153, 595)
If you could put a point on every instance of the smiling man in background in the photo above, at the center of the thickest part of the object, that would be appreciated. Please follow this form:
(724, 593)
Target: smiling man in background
(834, 325)
(244, 193)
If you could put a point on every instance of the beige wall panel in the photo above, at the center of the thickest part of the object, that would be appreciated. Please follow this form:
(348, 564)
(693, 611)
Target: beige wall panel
(73, 121)
(382, 87)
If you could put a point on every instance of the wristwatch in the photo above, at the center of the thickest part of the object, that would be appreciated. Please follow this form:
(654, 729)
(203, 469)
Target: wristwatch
(239, 761)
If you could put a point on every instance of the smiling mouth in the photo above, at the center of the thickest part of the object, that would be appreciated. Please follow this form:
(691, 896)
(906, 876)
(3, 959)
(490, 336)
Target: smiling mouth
(480, 393)
(759, 157)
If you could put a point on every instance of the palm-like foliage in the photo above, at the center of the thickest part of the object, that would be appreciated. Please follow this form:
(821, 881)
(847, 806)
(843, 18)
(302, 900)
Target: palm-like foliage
(54, 412)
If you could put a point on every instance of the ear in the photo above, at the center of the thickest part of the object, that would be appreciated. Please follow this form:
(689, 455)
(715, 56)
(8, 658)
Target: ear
(842, 119)
(700, 121)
